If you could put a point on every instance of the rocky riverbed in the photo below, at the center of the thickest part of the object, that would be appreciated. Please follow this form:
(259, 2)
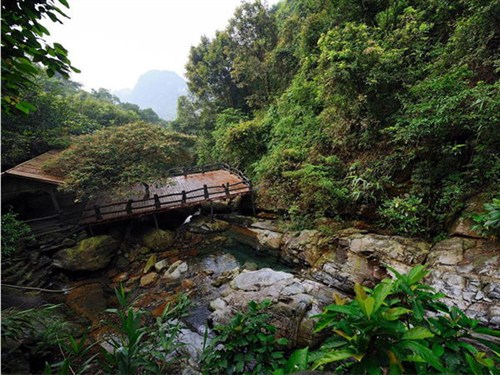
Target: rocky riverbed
(224, 263)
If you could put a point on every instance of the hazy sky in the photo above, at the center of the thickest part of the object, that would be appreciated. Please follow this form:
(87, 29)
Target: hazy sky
(113, 42)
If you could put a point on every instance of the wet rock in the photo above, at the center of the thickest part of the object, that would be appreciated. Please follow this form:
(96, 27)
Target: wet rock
(87, 300)
(149, 264)
(176, 270)
(90, 254)
(216, 264)
(294, 302)
(148, 280)
(158, 239)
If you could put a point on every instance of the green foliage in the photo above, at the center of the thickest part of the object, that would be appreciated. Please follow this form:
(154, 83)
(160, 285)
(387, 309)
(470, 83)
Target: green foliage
(489, 221)
(25, 51)
(405, 215)
(39, 330)
(63, 110)
(407, 92)
(14, 232)
(118, 157)
(387, 330)
(246, 345)
(138, 346)
(238, 142)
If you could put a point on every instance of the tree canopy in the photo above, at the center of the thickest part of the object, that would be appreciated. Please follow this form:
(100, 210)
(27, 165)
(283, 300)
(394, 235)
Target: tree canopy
(113, 159)
(25, 51)
(379, 110)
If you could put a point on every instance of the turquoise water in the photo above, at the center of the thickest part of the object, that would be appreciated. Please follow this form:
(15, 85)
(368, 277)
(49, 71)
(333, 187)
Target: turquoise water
(261, 259)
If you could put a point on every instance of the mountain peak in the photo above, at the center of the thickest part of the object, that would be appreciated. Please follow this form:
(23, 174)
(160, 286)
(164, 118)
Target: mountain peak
(156, 89)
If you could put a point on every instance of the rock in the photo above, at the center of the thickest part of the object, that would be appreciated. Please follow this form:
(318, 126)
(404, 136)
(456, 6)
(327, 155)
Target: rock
(294, 302)
(187, 284)
(161, 265)
(203, 224)
(144, 250)
(226, 277)
(90, 254)
(216, 264)
(176, 270)
(149, 264)
(121, 277)
(259, 239)
(148, 279)
(468, 272)
(121, 263)
(158, 239)
(304, 247)
(255, 280)
(463, 225)
(87, 300)
(361, 258)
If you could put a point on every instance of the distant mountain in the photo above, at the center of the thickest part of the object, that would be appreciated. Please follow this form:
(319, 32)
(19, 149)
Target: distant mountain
(156, 89)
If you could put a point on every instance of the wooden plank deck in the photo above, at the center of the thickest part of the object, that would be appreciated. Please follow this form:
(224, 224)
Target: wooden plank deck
(182, 191)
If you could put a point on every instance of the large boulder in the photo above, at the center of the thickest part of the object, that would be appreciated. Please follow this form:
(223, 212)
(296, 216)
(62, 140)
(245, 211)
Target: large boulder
(261, 235)
(205, 225)
(294, 302)
(158, 239)
(468, 272)
(463, 225)
(90, 254)
(362, 258)
(305, 247)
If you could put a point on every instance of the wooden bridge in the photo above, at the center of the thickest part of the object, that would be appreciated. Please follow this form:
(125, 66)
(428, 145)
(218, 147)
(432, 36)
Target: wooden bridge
(186, 187)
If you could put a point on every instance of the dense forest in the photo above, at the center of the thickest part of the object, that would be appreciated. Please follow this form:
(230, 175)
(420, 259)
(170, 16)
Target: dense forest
(383, 110)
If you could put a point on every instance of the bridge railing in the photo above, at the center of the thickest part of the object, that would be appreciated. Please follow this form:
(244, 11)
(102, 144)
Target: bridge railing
(133, 207)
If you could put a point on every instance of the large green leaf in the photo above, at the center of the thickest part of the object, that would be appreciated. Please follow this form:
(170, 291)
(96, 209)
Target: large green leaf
(426, 354)
(417, 333)
(297, 361)
(335, 356)
(394, 313)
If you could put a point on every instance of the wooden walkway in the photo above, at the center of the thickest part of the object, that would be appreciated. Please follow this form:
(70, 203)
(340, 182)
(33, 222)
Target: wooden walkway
(185, 188)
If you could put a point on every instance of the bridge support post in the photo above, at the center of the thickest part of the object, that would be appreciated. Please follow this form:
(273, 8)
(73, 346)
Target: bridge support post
(129, 206)
(251, 198)
(97, 211)
(156, 221)
(157, 201)
(211, 211)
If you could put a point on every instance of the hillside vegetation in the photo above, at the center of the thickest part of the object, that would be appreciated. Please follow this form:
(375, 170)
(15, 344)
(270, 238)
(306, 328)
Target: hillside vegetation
(382, 110)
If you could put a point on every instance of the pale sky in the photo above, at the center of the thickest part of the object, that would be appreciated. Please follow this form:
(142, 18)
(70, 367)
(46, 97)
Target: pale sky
(113, 42)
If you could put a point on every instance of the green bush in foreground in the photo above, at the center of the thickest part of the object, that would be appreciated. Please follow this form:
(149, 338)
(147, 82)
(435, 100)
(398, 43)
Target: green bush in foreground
(246, 345)
(400, 327)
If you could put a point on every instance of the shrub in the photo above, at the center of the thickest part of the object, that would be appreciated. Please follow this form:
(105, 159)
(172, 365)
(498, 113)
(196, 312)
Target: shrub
(13, 232)
(405, 215)
(489, 221)
(401, 327)
(246, 345)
